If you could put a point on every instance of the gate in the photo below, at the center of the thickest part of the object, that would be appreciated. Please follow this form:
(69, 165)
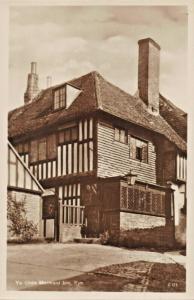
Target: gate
(71, 219)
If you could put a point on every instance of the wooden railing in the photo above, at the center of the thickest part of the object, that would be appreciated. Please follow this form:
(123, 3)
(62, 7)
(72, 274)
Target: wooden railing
(72, 214)
(143, 200)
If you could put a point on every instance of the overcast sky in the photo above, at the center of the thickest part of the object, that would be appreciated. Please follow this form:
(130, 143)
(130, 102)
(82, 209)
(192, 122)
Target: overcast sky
(68, 42)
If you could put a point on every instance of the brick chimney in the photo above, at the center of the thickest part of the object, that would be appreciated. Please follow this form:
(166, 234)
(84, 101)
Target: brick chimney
(148, 74)
(32, 84)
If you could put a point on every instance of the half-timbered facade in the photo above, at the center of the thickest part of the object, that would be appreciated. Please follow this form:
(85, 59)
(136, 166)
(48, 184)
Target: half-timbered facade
(114, 161)
(24, 187)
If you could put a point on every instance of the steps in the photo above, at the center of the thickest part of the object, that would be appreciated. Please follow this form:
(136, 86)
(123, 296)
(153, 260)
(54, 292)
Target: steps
(87, 240)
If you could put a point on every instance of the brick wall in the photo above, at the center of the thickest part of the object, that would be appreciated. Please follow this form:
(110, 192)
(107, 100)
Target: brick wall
(138, 230)
(148, 73)
(113, 157)
(131, 221)
(33, 208)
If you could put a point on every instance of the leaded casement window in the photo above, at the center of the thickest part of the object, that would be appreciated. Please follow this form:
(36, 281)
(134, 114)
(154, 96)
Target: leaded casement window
(22, 148)
(181, 167)
(43, 149)
(143, 200)
(65, 95)
(68, 135)
(59, 98)
(138, 149)
(121, 135)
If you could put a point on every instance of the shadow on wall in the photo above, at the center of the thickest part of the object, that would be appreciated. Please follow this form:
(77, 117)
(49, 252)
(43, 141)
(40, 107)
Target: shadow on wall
(156, 237)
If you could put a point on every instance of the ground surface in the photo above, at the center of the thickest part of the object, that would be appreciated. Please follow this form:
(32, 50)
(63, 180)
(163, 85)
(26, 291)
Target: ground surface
(90, 267)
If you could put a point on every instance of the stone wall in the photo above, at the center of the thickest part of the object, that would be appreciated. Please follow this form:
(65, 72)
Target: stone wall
(33, 206)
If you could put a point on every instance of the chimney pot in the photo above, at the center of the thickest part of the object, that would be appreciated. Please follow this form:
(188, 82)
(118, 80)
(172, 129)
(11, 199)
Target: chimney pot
(33, 67)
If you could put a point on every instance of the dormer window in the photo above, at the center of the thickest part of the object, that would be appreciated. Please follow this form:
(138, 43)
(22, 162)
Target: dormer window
(59, 98)
(64, 96)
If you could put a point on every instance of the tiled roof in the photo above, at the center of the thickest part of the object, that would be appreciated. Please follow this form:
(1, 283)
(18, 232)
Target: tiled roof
(97, 94)
(176, 117)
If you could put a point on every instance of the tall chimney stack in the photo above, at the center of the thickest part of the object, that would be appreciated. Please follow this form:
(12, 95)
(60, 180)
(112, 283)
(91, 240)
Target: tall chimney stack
(32, 84)
(148, 74)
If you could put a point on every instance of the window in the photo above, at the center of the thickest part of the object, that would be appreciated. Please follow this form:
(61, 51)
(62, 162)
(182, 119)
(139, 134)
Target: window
(181, 167)
(51, 147)
(22, 148)
(68, 135)
(34, 151)
(59, 98)
(120, 135)
(138, 149)
(43, 149)
(143, 200)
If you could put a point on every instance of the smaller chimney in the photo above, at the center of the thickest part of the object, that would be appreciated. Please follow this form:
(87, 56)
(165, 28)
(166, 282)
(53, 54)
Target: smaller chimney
(33, 67)
(48, 81)
(148, 74)
(32, 84)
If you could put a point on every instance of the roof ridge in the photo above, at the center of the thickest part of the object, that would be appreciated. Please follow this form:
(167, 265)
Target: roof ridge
(172, 104)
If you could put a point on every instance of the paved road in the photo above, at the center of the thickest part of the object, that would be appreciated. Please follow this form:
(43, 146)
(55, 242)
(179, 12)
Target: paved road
(27, 265)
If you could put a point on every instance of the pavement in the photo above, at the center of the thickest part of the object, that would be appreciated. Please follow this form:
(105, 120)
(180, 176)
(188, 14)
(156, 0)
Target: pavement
(176, 257)
(31, 265)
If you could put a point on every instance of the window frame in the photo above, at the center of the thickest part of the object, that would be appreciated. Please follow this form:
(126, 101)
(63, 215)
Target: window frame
(120, 129)
(70, 140)
(38, 142)
(181, 167)
(60, 99)
(146, 142)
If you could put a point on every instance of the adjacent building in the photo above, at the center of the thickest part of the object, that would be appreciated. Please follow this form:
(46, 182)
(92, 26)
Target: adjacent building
(115, 162)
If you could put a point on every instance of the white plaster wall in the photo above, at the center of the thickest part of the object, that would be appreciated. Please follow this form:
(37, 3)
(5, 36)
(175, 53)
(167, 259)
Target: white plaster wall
(33, 206)
(179, 217)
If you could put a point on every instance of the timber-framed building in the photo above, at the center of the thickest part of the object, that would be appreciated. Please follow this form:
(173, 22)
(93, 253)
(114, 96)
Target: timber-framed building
(114, 161)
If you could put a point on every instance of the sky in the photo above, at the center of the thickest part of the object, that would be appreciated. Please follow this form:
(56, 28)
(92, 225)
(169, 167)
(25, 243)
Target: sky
(68, 42)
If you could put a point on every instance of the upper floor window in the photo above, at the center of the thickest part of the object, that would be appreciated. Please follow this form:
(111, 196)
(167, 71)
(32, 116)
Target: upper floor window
(68, 135)
(22, 148)
(121, 135)
(181, 167)
(43, 149)
(138, 149)
(59, 98)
